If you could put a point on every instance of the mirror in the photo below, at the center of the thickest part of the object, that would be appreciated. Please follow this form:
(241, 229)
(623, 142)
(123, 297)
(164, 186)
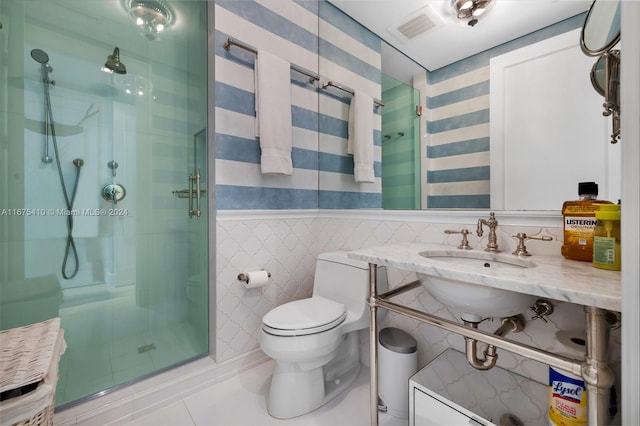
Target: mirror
(455, 125)
(538, 137)
(601, 29)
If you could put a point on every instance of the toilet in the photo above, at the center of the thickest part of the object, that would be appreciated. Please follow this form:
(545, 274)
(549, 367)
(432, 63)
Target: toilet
(314, 341)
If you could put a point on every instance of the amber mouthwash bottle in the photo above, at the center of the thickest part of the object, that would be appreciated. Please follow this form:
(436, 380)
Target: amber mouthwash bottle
(579, 222)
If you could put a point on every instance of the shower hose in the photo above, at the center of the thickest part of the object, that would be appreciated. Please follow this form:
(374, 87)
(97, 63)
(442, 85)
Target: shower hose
(70, 243)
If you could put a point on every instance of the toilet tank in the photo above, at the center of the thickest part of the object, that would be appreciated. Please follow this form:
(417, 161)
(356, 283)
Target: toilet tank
(346, 280)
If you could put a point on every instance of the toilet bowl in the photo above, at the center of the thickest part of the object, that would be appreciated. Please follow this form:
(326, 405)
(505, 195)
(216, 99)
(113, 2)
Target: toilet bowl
(314, 341)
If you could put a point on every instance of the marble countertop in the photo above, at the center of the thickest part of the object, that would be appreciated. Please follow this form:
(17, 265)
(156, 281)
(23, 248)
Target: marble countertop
(551, 277)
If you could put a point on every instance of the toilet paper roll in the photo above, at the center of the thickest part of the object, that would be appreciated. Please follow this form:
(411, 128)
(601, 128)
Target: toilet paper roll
(571, 343)
(256, 279)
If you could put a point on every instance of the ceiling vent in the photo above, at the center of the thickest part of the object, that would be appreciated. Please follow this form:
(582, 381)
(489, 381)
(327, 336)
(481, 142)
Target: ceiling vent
(417, 24)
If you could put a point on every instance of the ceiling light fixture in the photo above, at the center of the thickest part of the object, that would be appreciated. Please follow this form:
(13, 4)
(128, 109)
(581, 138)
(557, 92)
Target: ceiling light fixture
(151, 17)
(468, 12)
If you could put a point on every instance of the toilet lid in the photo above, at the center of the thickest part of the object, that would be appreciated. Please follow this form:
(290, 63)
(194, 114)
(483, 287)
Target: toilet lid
(306, 316)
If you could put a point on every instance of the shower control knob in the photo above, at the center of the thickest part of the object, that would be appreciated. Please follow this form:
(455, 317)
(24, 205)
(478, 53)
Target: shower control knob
(113, 192)
(113, 165)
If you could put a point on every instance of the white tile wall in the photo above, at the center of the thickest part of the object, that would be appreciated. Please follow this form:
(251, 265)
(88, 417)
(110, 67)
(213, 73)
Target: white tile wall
(287, 244)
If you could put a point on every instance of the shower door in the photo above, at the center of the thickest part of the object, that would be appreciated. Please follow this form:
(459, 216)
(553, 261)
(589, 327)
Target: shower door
(400, 145)
(90, 228)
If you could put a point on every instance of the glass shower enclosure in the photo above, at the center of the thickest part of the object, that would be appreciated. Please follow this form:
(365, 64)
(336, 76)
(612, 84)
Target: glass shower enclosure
(103, 171)
(400, 145)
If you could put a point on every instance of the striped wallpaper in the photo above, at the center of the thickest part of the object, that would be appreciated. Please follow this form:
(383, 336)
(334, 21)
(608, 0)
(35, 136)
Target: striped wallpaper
(349, 54)
(317, 36)
(288, 29)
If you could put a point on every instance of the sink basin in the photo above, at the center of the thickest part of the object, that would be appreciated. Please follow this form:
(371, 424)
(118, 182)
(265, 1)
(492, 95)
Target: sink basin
(474, 300)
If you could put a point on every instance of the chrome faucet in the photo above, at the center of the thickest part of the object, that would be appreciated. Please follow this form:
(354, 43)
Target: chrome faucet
(492, 223)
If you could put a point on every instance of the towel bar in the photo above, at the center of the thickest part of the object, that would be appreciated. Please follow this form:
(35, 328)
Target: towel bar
(230, 42)
(377, 103)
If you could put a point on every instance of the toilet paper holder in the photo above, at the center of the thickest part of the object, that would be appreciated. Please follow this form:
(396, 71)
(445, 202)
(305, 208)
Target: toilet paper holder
(243, 276)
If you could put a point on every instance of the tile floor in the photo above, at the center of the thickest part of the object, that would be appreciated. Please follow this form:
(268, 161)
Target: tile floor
(105, 337)
(241, 400)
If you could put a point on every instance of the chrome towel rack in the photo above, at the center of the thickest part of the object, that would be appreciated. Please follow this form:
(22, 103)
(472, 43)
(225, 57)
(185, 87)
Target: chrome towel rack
(231, 42)
(312, 77)
(376, 102)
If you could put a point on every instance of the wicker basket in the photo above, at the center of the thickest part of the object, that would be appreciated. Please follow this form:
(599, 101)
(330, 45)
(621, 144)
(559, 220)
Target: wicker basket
(29, 357)
(42, 417)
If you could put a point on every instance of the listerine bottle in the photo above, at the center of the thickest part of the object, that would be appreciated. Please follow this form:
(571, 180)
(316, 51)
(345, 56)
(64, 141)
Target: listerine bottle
(579, 222)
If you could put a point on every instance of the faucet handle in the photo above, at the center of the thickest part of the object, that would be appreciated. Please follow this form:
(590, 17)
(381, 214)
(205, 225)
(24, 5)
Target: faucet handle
(464, 244)
(542, 308)
(521, 250)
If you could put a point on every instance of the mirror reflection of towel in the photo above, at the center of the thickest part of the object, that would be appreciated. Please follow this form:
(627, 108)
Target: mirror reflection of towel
(360, 142)
(273, 113)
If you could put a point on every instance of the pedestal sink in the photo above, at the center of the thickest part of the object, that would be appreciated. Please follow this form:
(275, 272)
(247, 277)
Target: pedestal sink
(473, 300)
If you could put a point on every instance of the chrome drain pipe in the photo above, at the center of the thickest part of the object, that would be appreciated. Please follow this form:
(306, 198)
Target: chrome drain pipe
(490, 355)
(562, 362)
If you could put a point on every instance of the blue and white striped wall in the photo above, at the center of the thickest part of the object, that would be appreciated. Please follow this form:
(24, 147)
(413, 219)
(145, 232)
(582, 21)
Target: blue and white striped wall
(322, 39)
(347, 54)
(458, 125)
(288, 29)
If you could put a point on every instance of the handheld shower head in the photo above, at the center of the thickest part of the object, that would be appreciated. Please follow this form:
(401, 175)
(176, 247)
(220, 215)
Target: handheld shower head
(40, 56)
(78, 162)
(113, 63)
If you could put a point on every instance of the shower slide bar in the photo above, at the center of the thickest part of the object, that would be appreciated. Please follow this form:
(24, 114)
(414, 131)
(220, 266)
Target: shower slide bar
(376, 102)
(230, 42)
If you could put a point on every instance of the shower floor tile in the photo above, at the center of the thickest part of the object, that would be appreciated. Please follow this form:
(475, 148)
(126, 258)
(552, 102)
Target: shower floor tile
(110, 341)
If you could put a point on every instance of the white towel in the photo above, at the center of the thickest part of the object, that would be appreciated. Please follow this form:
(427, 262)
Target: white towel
(273, 113)
(360, 142)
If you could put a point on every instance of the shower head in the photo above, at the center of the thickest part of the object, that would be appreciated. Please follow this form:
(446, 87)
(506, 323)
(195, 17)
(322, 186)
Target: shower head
(113, 63)
(78, 162)
(40, 56)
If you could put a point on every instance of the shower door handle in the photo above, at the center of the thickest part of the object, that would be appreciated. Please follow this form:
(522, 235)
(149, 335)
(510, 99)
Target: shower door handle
(194, 179)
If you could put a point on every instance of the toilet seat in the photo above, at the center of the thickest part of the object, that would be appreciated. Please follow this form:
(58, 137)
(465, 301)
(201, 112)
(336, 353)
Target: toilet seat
(304, 317)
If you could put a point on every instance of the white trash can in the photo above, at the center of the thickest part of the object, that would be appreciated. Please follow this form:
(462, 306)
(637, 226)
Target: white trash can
(397, 362)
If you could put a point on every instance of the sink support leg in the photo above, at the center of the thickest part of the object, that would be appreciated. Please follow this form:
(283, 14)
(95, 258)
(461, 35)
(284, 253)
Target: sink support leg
(373, 343)
(596, 373)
